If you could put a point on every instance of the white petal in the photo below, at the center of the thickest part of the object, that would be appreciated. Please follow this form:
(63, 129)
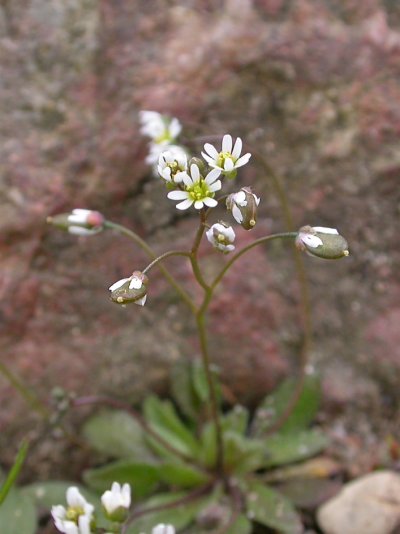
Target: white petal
(240, 198)
(210, 202)
(228, 165)
(237, 214)
(70, 528)
(78, 230)
(230, 233)
(212, 176)
(135, 283)
(210, 235)
(81, 212)
(74, 498)
(195, 173)
(216, 186)
(84, 524)
(118, 284)
(243, 160)
(237, 148)
(178, 178)
(175, 128)
(324, 230)
(312, 241)
(185, 204)
(177, 195)
(227, 143)
(210, 149)
(198, 204)
(208, 159)
(187, 180)
(142, 301)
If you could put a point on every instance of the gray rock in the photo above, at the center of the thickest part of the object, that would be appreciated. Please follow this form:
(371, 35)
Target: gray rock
(368, 505)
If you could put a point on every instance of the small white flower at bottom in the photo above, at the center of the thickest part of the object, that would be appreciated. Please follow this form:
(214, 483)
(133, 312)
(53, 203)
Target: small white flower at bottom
(198, 190)
(163, 529)
(221, 236)
(117, 501)
(77, 518)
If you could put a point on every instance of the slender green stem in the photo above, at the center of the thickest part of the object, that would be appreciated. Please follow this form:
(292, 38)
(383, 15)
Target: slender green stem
(149, 251)
(34, 402)
(194, 252)
(202, 334)
(261, 240)
(305, 306)
(165, 256)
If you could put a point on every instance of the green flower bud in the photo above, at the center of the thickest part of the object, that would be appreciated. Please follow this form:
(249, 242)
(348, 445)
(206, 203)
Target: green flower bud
(132, 289)
(79, 222)
(322, 242)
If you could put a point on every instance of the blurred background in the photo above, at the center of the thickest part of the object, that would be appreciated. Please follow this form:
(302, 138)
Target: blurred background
(313, 86)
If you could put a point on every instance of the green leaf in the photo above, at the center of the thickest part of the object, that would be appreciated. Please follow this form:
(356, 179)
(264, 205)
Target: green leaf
(208, 440)
(181, 475)
(17, 514)
(286, 448)
(275, 404)
(182, 389)
(48, 494)
(179, 516)
(271, 509)
(242, 525)
(309, 493)
(116, 434)
(200, 383)
(242, 455)
(142, 477)
(236, 420)
(14, 471)
(164, 420)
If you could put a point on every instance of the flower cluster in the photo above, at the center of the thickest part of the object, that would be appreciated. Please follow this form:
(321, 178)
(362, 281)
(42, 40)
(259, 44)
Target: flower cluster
(78, 517)
(163, 132)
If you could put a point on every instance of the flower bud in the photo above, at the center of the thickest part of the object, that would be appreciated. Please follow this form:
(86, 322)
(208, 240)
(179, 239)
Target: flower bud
(200, 163)
(132, 289)
(163, 529)
(116, 502)
(79, 222)
(243, 206)
(322, 242)
(221, 236)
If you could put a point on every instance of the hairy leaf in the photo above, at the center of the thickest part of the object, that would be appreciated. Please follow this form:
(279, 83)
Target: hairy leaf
(286, 448)
(142, 477)
(270, 508)
(17, 514)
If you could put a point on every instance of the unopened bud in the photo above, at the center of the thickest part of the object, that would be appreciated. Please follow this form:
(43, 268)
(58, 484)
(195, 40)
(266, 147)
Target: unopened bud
(79, 222)
(200, 163)
(132, 289)
(322, 242)
(243, 206)
(116, 502)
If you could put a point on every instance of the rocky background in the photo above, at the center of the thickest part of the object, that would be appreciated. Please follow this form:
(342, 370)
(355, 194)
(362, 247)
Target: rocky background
(310, 84)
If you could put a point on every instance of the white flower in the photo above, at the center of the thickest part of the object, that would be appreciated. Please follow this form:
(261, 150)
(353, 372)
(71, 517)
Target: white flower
(117, 501)
(243, 206)
(77, 518)
(159, 128)
(221, 236)
(132, 289)
(172, 164)
(197, 190)
(163, 529)
(228, 160)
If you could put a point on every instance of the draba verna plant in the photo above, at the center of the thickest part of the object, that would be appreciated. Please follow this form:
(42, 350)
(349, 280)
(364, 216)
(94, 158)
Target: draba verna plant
(192, 466)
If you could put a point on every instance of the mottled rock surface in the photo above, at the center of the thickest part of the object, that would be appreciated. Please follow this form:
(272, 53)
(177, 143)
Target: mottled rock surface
(370, 504)
(310, 84)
